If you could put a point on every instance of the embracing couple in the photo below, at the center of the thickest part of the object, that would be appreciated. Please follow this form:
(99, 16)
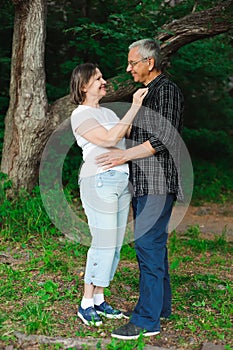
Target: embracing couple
(150, 126)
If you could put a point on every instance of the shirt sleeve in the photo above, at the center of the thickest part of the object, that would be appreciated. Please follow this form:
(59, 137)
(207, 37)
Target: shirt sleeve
(168, 119)
(79, 117)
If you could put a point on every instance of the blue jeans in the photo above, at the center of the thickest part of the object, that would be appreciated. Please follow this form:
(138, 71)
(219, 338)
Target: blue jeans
(105, 199)
(152, 214)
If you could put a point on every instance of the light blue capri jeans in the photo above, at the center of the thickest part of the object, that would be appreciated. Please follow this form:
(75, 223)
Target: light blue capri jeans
(105, 199)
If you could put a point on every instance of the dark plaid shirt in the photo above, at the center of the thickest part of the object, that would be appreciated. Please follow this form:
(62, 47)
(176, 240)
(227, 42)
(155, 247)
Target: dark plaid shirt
(160, 122)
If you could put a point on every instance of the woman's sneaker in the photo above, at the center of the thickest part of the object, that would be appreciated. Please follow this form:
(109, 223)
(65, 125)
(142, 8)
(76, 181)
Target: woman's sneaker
(106, 310)
(89, 316)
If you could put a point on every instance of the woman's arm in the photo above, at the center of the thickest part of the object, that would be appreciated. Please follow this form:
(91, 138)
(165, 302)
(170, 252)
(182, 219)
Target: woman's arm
(95, 133)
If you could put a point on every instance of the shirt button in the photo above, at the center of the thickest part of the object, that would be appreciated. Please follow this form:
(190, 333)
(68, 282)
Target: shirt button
(93, 276)
(95, 264)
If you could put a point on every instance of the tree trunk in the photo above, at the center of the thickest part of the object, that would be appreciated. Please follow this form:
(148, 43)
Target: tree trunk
(27, 124)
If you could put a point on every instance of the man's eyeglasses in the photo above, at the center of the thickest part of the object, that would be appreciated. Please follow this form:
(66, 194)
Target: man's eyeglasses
(133, 63)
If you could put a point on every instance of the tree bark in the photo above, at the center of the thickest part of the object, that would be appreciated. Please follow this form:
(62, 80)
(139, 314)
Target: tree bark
(196, 26)
(27, 125)
(68, 343)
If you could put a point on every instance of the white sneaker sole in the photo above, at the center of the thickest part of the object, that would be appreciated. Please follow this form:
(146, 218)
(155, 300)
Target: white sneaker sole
(89, 323)
(109, 315)
(133, 337)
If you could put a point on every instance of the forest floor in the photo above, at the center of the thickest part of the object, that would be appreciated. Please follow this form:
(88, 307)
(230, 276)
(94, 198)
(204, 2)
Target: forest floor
(41, 290)
(212, 219)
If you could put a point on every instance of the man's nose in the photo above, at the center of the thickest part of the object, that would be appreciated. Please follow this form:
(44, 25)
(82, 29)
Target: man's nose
(128, 68)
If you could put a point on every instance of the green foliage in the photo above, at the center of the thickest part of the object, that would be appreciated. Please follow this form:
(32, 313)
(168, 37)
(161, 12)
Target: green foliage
(23, 215)
(208, 144)
(6, 31)
(212, 155)
(99, 31)
(203, 74)
(212, 182)
(71, 168)
(105, 38)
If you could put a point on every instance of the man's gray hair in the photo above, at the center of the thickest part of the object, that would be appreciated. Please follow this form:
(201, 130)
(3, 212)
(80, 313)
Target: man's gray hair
(148, 48)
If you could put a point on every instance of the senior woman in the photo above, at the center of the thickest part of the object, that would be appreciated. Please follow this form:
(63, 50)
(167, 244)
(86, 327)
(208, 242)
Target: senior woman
(104, 193)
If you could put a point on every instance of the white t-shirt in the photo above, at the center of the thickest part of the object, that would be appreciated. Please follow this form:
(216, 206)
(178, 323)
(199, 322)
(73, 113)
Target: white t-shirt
(107, 118)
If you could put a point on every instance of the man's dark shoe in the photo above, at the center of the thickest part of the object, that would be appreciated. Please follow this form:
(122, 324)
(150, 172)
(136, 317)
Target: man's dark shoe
(107, 310)
(127, 314)
(131, 331)
(89, 316)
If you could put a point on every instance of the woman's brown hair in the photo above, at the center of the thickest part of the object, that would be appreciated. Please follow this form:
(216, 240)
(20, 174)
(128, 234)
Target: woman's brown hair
(79, 78)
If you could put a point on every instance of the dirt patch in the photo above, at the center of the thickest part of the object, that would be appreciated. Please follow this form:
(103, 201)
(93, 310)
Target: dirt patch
(212, 219)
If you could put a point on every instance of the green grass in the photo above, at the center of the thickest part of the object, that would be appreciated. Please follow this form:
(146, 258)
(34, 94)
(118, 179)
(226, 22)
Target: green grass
(42, 282)
(212, 181)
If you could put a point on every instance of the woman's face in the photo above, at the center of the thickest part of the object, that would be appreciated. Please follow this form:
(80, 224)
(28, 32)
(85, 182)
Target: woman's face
(96, 87)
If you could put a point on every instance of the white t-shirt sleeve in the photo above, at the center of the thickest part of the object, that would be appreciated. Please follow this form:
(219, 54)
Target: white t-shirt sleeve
(79, 117)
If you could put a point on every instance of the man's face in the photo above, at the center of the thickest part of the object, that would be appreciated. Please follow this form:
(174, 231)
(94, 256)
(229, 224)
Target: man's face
(138, 66)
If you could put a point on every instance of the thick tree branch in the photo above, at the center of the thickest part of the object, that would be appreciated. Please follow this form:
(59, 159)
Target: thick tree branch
(195, 26)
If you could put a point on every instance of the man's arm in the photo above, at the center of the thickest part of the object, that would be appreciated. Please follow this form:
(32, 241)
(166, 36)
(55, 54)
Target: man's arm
(166, 128)
(117, 156)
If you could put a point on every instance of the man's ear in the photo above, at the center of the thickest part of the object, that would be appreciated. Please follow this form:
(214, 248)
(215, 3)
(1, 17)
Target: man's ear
(151, 63)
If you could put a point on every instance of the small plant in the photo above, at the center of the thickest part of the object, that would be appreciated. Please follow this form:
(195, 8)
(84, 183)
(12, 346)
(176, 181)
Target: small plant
(193, 232)
(35, 318)
(49, 291)
(129, 345)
